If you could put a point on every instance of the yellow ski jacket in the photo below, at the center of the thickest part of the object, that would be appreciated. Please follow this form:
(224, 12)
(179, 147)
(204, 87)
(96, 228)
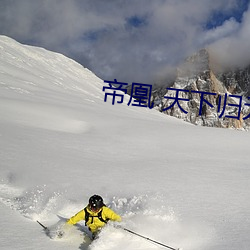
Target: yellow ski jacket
(94, 223)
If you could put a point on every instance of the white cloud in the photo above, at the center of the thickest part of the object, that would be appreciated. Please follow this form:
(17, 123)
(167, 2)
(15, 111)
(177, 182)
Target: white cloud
(97, 33)
(233, 50)
(228, 28)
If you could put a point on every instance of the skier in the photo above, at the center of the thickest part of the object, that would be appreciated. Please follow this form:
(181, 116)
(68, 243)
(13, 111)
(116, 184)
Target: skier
(95, 214)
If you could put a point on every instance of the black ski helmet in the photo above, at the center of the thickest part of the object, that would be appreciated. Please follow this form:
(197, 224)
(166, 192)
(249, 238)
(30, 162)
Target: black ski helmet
(96, 202)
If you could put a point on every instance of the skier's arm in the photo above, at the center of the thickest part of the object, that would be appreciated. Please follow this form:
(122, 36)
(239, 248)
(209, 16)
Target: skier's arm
(77, 217)
(110, 214)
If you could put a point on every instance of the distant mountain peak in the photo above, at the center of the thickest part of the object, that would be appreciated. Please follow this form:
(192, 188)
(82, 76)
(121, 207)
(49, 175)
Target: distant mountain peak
(199, 72)
(194, 65)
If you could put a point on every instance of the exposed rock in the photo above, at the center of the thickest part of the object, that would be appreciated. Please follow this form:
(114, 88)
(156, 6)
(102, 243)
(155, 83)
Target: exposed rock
(196, 74)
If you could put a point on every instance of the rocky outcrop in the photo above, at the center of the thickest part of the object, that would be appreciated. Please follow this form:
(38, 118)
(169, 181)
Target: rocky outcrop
(196, 76)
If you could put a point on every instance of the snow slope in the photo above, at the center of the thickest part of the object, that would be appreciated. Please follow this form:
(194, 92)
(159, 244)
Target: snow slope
(176, 183)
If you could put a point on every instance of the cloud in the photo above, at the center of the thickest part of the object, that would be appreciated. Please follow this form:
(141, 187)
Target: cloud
(133, 41)
(233, 49)
(228, 28)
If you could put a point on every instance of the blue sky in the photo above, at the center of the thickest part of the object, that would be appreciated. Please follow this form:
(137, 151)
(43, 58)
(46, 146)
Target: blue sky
(132, 40)
(218, 17)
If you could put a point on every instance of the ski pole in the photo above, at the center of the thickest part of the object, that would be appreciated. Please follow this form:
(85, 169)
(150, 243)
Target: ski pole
(45, 228)
(146, 238)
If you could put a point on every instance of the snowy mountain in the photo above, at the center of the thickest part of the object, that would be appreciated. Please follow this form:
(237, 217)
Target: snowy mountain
(237, 81)
(225, 91)
(183, 185)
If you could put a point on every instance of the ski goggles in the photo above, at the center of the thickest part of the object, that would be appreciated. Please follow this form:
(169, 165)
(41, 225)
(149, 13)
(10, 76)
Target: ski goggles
(94, 208)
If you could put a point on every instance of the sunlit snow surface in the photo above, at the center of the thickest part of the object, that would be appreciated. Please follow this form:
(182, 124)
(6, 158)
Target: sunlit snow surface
(181, 185)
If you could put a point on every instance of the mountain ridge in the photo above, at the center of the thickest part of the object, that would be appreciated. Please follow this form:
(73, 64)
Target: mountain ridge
(199, 73)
